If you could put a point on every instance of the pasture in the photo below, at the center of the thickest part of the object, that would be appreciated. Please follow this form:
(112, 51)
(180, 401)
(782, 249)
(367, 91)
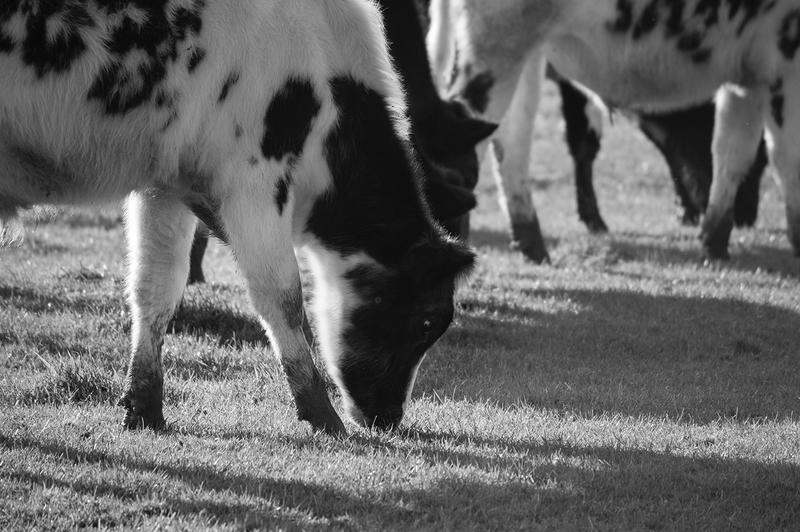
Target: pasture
(629, 385)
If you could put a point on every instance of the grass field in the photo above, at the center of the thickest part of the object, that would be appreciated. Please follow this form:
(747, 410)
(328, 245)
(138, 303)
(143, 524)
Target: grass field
(627, 386)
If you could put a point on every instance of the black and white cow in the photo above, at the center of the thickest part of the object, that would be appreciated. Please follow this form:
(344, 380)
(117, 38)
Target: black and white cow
(683, 137)
(445, 131)
(280, 125)
(646, 55)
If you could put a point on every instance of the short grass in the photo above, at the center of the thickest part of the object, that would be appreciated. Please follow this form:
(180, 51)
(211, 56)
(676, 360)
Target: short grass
(629, 385)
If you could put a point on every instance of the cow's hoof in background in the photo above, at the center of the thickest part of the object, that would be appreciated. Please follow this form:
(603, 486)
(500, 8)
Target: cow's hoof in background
(142, 414)
(716, 234)
(596, 225)
(527, 238)
(689, 218)
(196, 277)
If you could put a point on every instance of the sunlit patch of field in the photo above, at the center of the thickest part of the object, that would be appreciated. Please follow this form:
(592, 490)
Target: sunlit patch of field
(629, 385)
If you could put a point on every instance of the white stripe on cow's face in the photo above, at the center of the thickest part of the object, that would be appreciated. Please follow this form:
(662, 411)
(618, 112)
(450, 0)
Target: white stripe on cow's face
(334, 301)
(412, 381)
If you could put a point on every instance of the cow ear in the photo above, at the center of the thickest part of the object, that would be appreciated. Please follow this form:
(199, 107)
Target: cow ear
(436, 261)
(472, 131)
(449, 201)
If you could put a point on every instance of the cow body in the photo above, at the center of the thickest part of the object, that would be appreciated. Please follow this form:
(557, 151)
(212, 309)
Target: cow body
(649, 56)
(280, 125)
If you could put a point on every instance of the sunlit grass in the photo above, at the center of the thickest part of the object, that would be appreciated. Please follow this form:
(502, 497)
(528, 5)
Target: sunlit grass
(629, 385)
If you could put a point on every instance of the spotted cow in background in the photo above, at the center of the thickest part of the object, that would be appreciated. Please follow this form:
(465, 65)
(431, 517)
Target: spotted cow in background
(445, 132)
(646, 55)
(279, 124)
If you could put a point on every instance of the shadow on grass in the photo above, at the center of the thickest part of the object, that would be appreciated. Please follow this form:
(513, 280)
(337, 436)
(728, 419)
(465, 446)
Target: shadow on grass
(229, 328)
(38, 302)
(747, 259)
(623, 352)
(608, 486)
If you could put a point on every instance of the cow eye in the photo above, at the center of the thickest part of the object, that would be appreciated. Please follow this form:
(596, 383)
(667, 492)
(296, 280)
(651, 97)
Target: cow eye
(427, 325)
(378, 300)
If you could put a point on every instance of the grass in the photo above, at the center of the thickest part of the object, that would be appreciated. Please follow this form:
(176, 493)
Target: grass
(629, 385)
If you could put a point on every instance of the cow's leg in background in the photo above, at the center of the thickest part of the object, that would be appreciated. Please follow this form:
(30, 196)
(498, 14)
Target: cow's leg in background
(584, 130)
(159, 231)
(738, 131)
(783, 124)
(514, 105)
(199, 245)
(745, 210)
(261, 241)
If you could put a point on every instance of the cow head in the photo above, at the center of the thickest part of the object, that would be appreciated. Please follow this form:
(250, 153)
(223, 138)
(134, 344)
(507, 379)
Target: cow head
(376, 323)
(385, 273)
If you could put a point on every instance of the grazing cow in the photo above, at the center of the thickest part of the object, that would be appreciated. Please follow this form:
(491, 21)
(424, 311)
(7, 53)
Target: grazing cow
(684, 139)
(280, 125)
(446, 134)
(646, 55)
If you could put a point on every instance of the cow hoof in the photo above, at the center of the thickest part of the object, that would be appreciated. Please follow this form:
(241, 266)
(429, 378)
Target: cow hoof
(327, 421)
(196, 277)
(596, 226)
(527, 238)
(716, 234)
(141, 415)
(689, 219)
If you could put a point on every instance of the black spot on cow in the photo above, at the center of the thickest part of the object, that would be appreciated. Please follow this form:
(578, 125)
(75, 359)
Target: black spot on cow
(789, 34)
(289, 118)
(476, 91)
(53, 39)
(751, 11)
(142, 52)
(282, 191)
(648, 20)
(6, 43)
(690, 42)
(674, 25)
(238, 131)
(708, 10)
(230, 81)
(701, 56)
(623, 22)
(361, 146)
(195, 58)
(253, 161)
(777, 100)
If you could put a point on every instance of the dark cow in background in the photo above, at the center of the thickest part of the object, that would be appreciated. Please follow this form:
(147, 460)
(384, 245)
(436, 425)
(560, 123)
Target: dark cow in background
(445, 132)
(282, 126)
(684, 138)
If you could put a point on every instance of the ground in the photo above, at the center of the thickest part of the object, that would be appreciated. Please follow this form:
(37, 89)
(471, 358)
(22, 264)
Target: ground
(629, 385)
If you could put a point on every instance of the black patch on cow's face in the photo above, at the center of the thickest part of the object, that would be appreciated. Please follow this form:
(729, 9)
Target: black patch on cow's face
(289, 118)
(789, 34)
(777, 100)
(230, 81)
(195, 58)
(282, 191)
(374, 206)
(476, 91)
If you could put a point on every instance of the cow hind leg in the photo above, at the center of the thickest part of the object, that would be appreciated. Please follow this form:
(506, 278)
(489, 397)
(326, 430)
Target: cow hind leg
(199, 246)
(745, 211)
(783, 128)
(584, 129)
(261, 240)
(737, 134)
(159, 237)
(511, 148)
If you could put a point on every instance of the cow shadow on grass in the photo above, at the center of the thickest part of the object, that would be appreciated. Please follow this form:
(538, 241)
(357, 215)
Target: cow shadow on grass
(610, 486)
(624, 353)
(228, 327)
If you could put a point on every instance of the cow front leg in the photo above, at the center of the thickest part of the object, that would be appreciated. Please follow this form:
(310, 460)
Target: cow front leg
(783, 126)
(261, 239)
(159, 230)
(584, 129)
(511, 147)
(738, 130)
